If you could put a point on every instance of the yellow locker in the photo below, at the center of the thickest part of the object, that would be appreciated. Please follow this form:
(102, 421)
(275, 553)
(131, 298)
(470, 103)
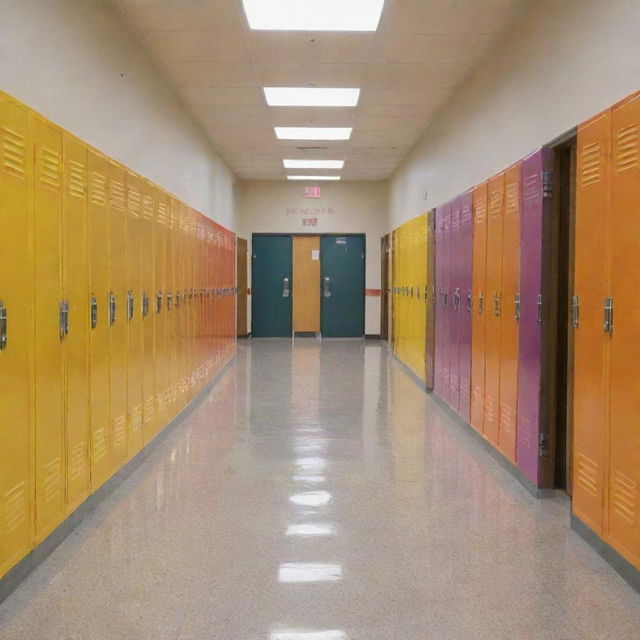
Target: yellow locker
(16, 291)
(181, 307)
(172, 280)
(75, 284)
(160, 311)
(118, 312)
(101, 436)
(134, 313)
(50, 318)
(148, 312)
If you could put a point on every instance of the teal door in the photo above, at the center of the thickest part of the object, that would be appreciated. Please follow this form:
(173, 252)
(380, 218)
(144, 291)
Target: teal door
(342, 314)
(271, 287)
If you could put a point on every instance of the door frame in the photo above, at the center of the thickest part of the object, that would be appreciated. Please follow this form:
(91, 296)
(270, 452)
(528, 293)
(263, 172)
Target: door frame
(242, 251)
(385, 252)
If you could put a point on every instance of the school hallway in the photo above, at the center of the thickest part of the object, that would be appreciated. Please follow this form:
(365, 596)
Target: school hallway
(317, 493)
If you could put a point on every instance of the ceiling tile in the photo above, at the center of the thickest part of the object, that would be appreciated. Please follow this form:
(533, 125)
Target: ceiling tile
(416, 76)
(310, 74)
(197, 46)
(252, 96)
(210, 74)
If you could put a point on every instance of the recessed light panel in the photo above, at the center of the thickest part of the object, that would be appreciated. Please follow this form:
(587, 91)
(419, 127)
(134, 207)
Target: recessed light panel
(311, 97)
(313, 164)
(313, 178)
(313, 133)
(313, 15)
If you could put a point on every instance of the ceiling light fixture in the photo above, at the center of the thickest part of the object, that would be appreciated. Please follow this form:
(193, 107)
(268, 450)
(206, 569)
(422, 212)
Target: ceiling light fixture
(314, 178)
(313, 15)
(313, 133)
(311, 97)
(313, 164)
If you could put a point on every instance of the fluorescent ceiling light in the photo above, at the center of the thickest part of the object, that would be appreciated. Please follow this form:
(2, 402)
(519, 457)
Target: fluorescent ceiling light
(314, 178)
(313, 164)
(311, 97)
(313, 133)
(313, 15)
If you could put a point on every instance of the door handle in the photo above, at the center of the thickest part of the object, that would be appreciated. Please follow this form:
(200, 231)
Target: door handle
(608, 315)
(326, 284)
(539, 304)
(3, 326)
(285, 288)
(469, 301)
(456, 298)
(481, 302)
(145, 304)
(575, 312)
(94, 312)
(112, 309)
(64, 319)
(516, 304)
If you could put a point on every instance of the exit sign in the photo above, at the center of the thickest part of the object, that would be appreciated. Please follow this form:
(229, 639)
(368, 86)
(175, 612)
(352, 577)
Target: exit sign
(312, 192)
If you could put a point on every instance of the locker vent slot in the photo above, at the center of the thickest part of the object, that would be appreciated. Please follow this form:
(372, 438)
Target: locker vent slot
(14, 153)
(15, 508)
(495, 203)
(625, 491)
(148, 409)
(78, 460)
(76, 179)
(465, 216)
(136, 418)
(117, 195)
(512, 197)
(590, 164)
(50, 168)
(99, 444)
(489, 412)
(134, 203)
(587, 474)
(162, 213)
(627, 148)
(505, 418)
(98, 189)
(147, 207)
(52, 481)
(119, 431)
(531, 189)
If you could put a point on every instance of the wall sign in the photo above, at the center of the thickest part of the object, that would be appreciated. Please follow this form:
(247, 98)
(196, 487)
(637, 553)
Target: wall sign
(312, 192)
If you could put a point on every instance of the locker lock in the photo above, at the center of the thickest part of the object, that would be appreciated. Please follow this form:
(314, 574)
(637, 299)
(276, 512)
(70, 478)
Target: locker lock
(94, 312)
(3, 326)
(159, 302)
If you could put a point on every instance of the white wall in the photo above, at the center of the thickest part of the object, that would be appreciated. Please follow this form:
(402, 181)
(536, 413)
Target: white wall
(76, 63)
(357, 207)
(563, 62)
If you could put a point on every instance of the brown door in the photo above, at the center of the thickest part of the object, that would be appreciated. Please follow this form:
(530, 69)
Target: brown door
(306, 284)
(241, 283)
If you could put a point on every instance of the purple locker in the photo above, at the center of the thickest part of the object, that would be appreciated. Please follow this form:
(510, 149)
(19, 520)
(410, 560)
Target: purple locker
(454, 306)
(439, 310)
(534, 207)
(446, 301)
(466, 250)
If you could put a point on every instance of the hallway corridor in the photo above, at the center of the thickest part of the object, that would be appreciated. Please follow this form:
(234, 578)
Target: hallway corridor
(316, 493)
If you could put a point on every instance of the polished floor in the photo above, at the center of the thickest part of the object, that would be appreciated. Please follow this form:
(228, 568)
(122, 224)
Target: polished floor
(317, 494)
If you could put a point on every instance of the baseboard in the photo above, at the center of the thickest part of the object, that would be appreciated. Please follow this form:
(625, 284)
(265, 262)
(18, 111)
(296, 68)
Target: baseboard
(12, 580)
(305, 334)
(621, 565)
(372, 336)
(244, 336)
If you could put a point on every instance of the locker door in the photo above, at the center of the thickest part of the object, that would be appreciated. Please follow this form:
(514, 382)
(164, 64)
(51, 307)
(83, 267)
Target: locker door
(446, 302)
(623, 493)
(117, 313)
(100, 406)
(591, 343)
(76, 294)
(171, 280)
(16, 291)
(495, 190)
(147, 309)
(419, 273)
(509, 319)
(429, 300)
(49, 427)
(159, 307)
(464, 337)
(133, 313)
(438, 304)
(478, 310)
(454, 305)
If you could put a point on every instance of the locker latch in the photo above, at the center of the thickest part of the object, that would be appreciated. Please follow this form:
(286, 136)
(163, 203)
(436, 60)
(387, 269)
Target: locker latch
(469, 301)
(94, 312)
(539, 305)
(159, 302)
(456, 298)
(481, 302)
(177, 299)
(575, 312)
(3, 326)
(445, 297)
(547, 184)
(516, 304)
(326, 287)
(145, 304)
(608, 315)
(64, 319)
(112, 309)
(496, 304)
(169, 301)
(129, 305)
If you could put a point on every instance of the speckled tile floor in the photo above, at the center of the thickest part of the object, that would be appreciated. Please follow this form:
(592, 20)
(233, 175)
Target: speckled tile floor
(317, 494)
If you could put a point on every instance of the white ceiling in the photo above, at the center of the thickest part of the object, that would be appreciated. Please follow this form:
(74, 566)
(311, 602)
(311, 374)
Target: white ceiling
(407, 70)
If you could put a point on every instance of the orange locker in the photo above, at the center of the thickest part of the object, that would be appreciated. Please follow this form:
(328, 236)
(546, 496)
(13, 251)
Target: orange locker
(591, 343)
(172, 280)
(75, 284)
(478, 310)
(623, 495)
(510, 313)
(133, 313)
(160, 310)
(117, 313)
(50, 319)
(100, 406)
(149, 424)
(495, 217)
(16, 294)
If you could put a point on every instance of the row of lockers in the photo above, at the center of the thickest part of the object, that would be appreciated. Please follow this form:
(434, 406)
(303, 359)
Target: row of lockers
(116, 305)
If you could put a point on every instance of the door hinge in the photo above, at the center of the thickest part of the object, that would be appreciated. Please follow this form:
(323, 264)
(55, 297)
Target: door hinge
(543, 449)
(539, 306)
(547, 184)
(575, 312)
(3, 326)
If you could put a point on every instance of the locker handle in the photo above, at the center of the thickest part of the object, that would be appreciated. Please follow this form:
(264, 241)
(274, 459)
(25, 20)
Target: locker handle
(496, 304)
(129, 305)
(145, 304)
(456, 298)
(3, 326)
(516, 304)
(469, 301)
(575, 312)
(608, 315)
(169, 301)
(445, 297)
(433, 294)
(539, 304)
(177, 305)
(94, 312)
(159, 302)
(112, 309)
(64, 319)
(286, 291)
(326, 287)
(481, 302)
(411, 292)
